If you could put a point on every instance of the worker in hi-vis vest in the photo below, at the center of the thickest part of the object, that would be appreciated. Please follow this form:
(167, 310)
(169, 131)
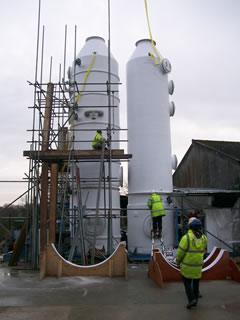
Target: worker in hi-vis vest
(157, 212)
(189, 256)
(98, 140)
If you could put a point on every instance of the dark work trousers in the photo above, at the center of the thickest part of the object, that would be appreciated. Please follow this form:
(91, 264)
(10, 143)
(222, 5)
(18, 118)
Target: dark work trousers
(98, 147)
(191, 288)
(157, 223)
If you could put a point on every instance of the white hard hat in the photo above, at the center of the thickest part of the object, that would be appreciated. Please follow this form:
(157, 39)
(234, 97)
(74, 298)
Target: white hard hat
(191, 220)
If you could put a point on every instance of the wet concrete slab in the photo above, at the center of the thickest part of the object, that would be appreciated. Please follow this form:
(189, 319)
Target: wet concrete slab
(24, 296)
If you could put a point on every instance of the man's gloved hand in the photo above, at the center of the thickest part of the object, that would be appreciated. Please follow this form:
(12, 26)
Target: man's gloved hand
(177, 262)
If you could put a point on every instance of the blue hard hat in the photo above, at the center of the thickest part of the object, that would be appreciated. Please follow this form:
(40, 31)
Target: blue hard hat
(195, 224)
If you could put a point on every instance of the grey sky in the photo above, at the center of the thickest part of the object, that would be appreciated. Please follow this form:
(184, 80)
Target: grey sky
(200, 38)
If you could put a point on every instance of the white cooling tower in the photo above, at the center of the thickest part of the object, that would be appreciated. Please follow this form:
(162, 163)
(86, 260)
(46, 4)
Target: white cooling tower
(91, 113)
(149, 141)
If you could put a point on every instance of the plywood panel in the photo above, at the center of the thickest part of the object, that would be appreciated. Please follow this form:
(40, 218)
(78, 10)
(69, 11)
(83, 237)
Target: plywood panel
(56, 265)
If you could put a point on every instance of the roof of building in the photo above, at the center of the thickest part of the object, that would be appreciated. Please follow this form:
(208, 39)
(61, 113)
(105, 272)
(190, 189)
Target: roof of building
(227, 148)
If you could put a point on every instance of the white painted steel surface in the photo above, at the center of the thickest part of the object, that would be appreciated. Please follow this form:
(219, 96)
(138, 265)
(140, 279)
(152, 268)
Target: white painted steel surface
(95, 93)
(92, 113)
(219, 222)
(149, 142)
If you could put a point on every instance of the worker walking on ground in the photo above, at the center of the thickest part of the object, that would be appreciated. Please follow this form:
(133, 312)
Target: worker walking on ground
(98, 140)
(189, 223)
(190, 258)
(157, 212)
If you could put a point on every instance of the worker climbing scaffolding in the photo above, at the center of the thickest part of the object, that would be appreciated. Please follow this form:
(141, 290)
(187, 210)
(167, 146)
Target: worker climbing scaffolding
(98, 141)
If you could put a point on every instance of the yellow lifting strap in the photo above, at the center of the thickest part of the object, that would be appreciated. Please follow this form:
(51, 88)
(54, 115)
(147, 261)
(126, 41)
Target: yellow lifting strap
(150, 33)
(78, 97)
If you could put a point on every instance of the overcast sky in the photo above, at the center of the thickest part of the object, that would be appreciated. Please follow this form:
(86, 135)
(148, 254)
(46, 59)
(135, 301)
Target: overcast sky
(199, 37)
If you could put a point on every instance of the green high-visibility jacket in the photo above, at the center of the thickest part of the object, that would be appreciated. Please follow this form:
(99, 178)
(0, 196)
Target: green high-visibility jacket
(190, 255)
(97, 140)
(155, 205)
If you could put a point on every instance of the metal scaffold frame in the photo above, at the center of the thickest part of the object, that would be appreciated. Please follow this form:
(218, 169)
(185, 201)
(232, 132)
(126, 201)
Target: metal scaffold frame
(49, 163)
(52, 159)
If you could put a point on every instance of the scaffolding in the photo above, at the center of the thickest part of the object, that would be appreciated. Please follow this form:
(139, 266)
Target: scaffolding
(51, 178)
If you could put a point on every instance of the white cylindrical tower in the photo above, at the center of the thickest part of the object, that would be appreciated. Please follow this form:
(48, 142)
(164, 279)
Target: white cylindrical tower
(92, 113)
(149, 141)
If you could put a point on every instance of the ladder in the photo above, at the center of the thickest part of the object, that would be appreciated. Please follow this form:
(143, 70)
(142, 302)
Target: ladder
(167, 252)
(79, 234)
(98, 200)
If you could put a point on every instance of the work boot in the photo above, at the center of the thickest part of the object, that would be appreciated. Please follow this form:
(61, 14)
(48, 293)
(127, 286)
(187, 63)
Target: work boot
(153, 234)
(160, 234)
(191, 304)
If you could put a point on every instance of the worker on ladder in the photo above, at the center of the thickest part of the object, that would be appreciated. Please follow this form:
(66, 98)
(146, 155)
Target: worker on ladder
(157, 212)
(98, 140)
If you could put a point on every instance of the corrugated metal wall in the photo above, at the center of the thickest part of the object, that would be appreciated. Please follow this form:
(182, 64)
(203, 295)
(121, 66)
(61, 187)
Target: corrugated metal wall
(206, 168)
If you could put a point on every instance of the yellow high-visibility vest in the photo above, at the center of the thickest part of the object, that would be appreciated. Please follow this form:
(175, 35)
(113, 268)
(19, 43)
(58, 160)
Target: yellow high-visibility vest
(155, 205)
(97, 140)
(190, 255)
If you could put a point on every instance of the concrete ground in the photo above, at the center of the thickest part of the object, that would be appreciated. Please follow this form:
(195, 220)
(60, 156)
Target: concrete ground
(24, 296)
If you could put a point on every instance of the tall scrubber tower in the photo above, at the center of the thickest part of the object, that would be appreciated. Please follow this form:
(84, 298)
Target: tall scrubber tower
(149, 141)
(89, 88)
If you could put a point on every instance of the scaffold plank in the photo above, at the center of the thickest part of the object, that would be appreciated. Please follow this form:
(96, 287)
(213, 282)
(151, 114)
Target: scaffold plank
(62, 155)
